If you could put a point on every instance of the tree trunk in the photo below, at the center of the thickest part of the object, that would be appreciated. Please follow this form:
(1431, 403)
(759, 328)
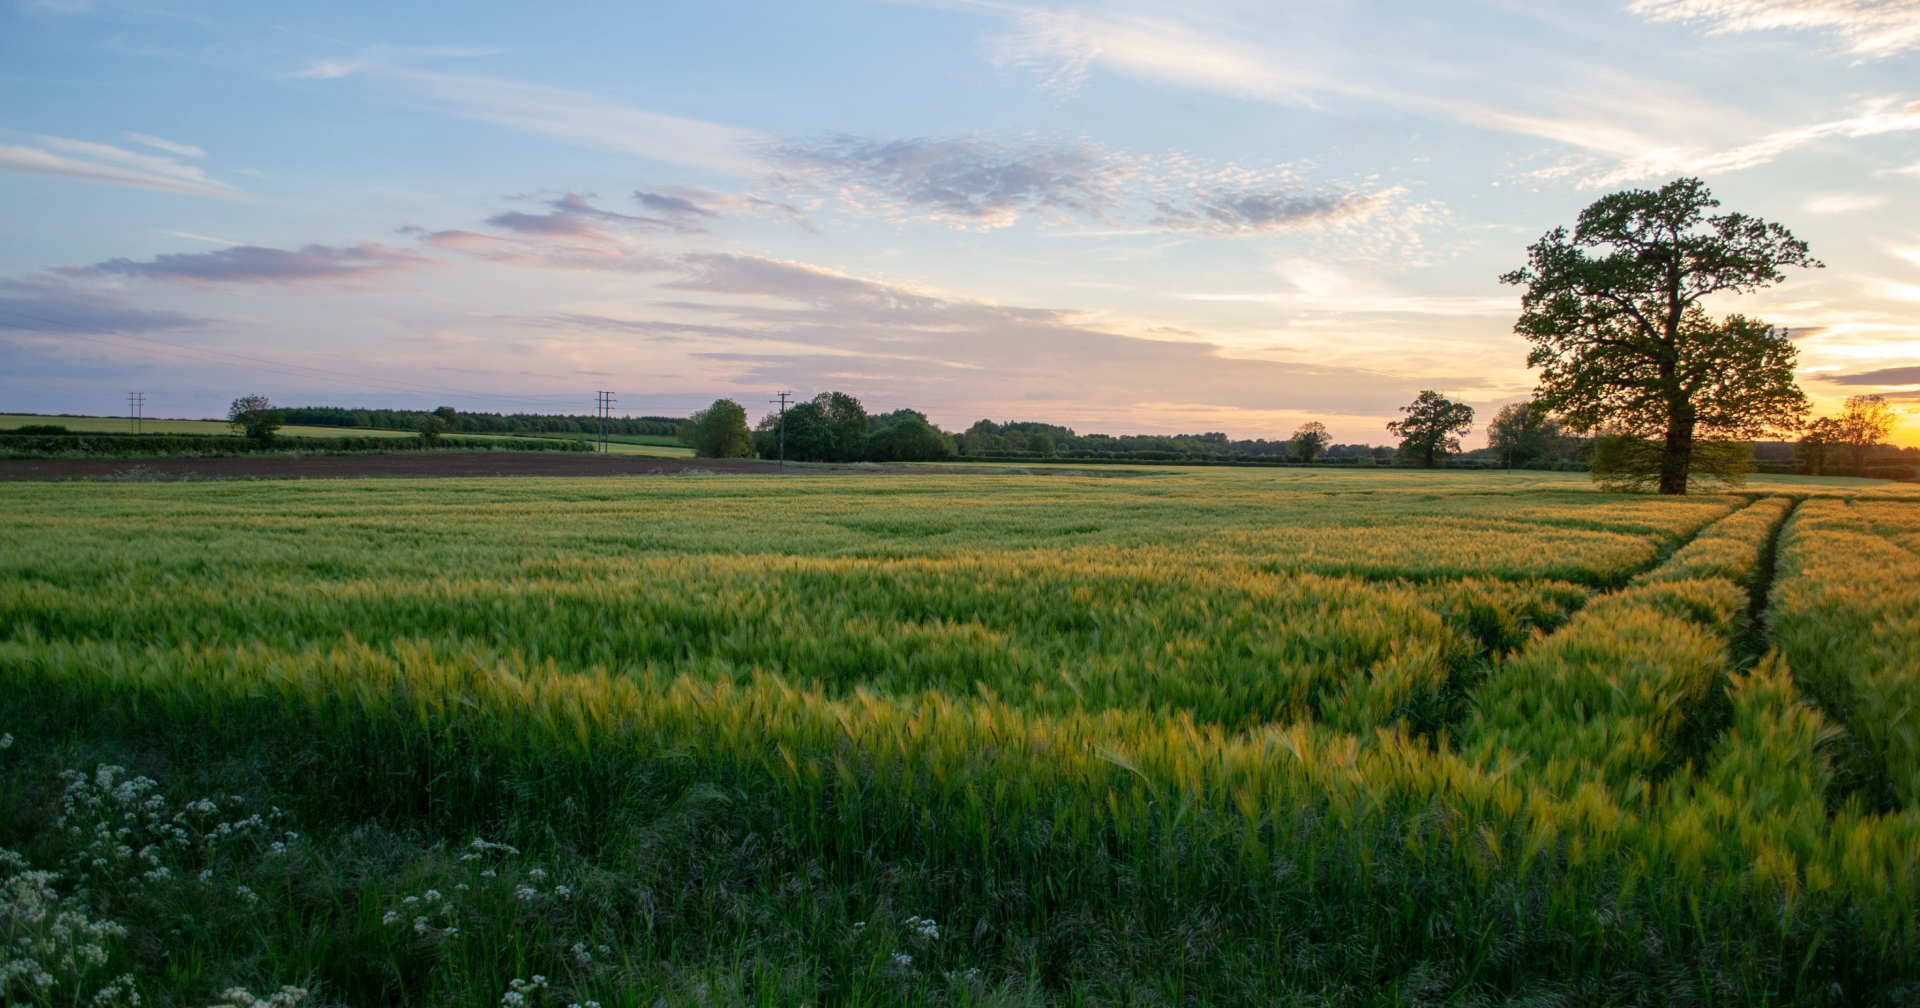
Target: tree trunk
(1677, 457)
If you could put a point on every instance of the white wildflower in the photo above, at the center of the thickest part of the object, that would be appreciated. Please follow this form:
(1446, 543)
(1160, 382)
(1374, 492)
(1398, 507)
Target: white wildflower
(902, 959)
(240, 997)
(391, 917)
(247, 894)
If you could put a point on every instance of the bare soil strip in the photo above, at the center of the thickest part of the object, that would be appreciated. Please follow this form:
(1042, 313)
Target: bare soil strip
(410, 464)
(415, 465)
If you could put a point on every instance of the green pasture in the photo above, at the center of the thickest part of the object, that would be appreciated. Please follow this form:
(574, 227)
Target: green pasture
(122, 425)
(1123, 735)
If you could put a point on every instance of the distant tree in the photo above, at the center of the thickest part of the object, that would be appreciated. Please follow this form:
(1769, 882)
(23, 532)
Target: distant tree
(1613, 316)
(1816, 448)
(255, 417)
(719, 431)
(449, 416)
(1040, 443)
(1864, 421)
(805, 433)
(431, 428)
(1522, 432)
(1310, 440)
(1427, 435)
(909, 439)
(847, 426)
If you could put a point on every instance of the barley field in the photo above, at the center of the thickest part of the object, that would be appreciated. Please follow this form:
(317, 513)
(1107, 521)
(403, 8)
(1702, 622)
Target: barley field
(1124, 738)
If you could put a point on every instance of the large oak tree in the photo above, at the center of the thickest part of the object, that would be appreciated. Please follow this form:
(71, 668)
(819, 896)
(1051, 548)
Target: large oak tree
(1614, 318)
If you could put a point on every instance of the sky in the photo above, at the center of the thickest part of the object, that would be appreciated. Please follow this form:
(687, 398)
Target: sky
(1126, 217)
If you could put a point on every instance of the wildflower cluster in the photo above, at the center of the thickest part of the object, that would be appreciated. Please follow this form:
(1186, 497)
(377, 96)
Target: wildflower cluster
(519, 991)
(429, 914)
(240, 997)
(53, 945)
(125, 828)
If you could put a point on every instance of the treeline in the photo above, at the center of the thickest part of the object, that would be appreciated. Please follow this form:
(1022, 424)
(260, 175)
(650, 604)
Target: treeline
(830, 427)
(456, 421)
(986, 437)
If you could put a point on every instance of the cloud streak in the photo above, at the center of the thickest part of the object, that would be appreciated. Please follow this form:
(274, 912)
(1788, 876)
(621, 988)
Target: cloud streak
(258, 264)
(34, 161)
(587, 120)
(1870, 27)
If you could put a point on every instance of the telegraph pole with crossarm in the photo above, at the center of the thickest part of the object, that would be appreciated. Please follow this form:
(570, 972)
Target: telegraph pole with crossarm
(783, 425)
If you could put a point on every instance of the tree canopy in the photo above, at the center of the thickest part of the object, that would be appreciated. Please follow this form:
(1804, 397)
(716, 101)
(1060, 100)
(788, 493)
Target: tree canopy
(719, 431)
(1613, 315)
(1310, 440)
(254, 416)
(908, 439)
(1523, 432)
(1864, 421)
(1429, 433)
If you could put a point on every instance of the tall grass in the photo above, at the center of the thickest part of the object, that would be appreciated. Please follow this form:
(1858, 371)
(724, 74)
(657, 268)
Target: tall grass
(1846, 611)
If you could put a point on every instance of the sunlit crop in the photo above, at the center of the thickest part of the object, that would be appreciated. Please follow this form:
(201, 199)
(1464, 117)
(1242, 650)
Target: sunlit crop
(1223, 738)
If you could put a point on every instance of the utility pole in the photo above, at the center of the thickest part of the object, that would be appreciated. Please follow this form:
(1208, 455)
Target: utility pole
(783, 425)
(603, 408)
(136, 403)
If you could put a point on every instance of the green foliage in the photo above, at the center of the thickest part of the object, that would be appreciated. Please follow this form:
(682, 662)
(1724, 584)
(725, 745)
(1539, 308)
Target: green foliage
(1427, 435)
(830, 427)
(1309, 441)
(719, 431)
(1524, 432)
(1613, 316)
(255, 417)
(908, 439)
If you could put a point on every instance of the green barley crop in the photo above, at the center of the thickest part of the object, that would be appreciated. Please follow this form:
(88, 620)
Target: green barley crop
(1220, 738)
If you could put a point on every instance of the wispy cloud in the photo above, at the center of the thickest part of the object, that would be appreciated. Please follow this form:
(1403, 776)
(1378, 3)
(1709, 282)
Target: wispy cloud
(145, 162)
(1887, 377)
(1627, 135)
(1231, 210)
(179, 179)
(573, 217)
(159, 143)
(765, 320)
(1871, 27)
(43, 297)
(587, 120)
(1878, 118)
(257, 264)
(1839, 203)
(971, 180)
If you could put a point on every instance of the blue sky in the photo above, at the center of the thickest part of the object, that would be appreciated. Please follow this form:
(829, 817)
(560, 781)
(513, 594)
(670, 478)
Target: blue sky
(1125, 217)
